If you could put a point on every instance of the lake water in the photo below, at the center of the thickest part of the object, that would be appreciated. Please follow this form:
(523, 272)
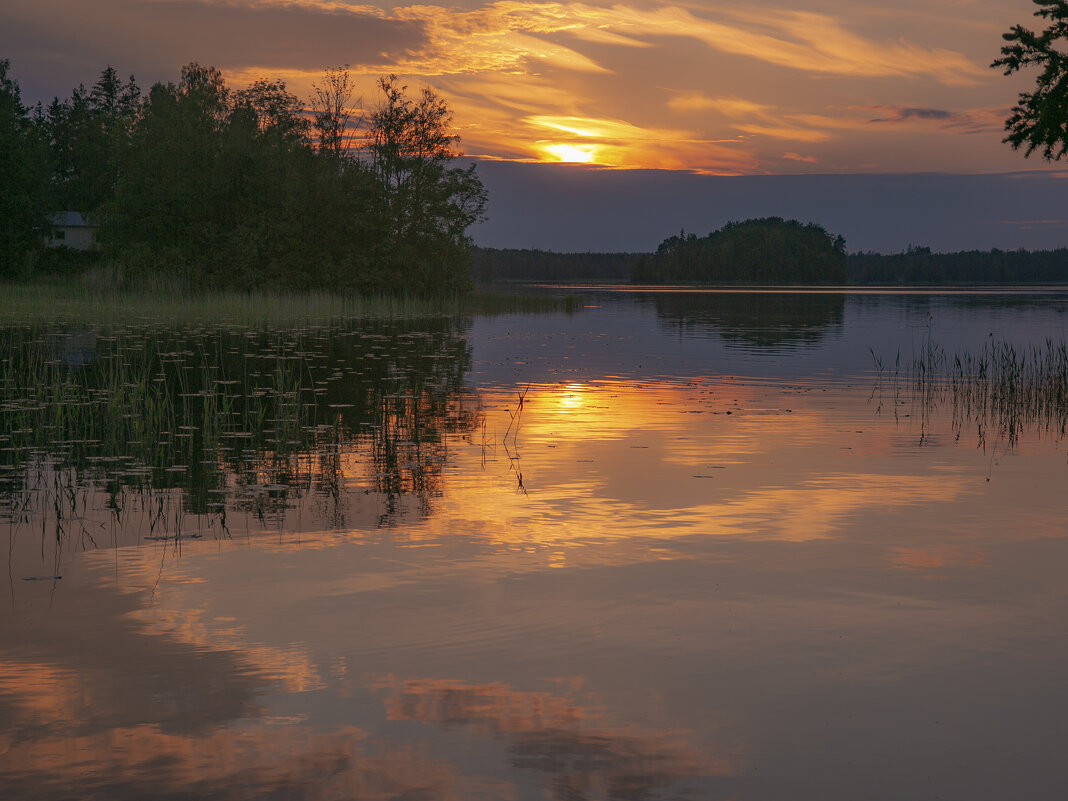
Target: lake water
(673, 546)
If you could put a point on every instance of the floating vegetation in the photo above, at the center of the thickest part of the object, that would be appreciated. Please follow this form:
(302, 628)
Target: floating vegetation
(1001, 387)
(185, 425)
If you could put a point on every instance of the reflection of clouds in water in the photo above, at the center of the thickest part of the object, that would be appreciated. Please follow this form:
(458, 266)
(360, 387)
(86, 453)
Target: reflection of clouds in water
(819, 508)
(938, 557)
(665, 460)
(291, 762)
(96, 706)
(587, 757)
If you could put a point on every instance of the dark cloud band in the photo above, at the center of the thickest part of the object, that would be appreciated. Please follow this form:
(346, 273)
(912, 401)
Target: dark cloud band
(73, 40)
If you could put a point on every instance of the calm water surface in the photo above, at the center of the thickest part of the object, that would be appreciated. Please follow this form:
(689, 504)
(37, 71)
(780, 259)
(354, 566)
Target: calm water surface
(675, 546)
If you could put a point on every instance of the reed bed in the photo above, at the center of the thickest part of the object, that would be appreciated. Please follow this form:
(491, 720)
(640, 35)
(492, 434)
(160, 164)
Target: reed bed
(136, 398)
(74, 301)
(204, 419)
(1003, 386)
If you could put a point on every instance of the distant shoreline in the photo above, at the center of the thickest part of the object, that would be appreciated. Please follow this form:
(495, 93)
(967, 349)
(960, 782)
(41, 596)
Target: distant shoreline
(914, 268)
(807, 289)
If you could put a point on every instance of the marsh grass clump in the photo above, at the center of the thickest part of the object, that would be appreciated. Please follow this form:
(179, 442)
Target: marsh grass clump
(1002, 386)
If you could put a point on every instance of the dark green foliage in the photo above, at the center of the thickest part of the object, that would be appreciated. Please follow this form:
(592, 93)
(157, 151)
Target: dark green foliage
(764, 251)
(1039, 121)
(427, 204)
(918, 265)
(227, 189)
(88, 137)
(208, 187)
(24, 190)
(223, 188)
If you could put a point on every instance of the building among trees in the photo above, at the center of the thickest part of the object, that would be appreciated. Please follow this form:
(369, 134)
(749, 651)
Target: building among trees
(70, 229)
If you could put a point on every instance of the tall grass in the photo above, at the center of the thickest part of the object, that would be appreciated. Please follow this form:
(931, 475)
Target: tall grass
(80, 300)
(1010, 388)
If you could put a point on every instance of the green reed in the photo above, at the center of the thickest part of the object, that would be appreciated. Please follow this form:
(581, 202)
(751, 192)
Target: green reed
(1011, 388)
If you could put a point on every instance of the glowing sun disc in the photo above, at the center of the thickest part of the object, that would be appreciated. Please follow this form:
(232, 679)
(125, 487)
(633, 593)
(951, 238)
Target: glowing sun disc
(575, 154)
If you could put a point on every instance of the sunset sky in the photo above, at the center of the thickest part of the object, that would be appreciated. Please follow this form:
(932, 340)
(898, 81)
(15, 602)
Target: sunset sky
(755, 88)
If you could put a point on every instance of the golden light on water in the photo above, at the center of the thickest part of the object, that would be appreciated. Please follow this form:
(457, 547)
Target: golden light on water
(571, 398)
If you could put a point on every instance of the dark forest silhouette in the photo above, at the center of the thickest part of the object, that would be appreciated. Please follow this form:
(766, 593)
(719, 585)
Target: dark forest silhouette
(764, 251)
(216, 187)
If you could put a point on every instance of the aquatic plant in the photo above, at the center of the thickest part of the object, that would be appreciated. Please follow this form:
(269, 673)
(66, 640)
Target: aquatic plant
(999, 386)
(205, 420)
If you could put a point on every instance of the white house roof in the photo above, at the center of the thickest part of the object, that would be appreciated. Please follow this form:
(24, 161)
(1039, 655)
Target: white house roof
(69, 219)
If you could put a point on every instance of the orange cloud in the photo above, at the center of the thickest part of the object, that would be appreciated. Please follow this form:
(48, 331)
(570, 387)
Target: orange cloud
(536, 724)
(501, 64)
(786, 132)
(755, 118)
(512, 68)
(515, 35)
(507, 33)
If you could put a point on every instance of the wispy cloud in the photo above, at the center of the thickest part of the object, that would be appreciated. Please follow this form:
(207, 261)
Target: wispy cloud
(786, 132)
(752, 118)
(638, 83)
(732, 107)
(795, 39)
(512, 34)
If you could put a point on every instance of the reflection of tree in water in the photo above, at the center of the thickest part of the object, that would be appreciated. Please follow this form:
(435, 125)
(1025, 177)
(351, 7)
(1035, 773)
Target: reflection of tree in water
(761, 319)
(398, 403)
(587, 757)
(211, 421)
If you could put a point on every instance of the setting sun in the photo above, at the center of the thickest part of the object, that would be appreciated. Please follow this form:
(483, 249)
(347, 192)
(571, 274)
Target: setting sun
(575, 154)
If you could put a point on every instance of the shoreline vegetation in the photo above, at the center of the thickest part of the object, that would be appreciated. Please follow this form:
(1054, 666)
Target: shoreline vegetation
(81, 301)
(198, 185)
(915, 267)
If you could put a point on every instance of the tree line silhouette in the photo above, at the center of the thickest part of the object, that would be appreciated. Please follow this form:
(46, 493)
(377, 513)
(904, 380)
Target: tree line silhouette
(916, 266)
(239, 188)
